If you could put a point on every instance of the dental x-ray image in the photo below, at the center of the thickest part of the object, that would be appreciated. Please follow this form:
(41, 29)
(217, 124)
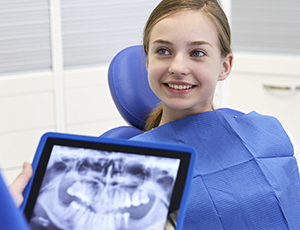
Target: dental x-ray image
(91, 189)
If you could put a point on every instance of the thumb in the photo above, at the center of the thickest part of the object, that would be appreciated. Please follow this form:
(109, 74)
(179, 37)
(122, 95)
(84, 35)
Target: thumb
(18, 185)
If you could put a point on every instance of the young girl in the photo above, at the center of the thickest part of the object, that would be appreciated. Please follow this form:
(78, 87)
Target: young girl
(246, 176)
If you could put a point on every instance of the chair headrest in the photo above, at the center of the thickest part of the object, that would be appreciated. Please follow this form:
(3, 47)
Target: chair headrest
(129, 87)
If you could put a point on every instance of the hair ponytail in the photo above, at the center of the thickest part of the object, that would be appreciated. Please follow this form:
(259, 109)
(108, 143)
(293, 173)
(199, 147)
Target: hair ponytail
(154, 118)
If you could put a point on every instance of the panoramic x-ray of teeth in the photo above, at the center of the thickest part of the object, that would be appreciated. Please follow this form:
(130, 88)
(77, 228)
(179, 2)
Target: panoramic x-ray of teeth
(91, 189)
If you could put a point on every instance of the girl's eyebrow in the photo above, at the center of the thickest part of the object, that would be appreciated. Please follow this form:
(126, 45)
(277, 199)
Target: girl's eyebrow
(200, 43)
(160, 41)
(194, 43)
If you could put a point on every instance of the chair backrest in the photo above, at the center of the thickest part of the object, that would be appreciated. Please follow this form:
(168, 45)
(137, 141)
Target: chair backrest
(10, 217)
(129, 87)
(130, 90)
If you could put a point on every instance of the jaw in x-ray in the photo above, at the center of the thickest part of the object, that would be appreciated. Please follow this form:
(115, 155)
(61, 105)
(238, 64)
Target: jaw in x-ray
(90, 189)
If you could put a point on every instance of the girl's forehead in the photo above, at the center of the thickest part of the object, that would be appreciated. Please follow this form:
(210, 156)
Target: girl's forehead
(191, 25)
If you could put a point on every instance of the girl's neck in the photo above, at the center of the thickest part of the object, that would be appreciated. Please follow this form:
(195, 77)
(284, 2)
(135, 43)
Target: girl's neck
(173, 115)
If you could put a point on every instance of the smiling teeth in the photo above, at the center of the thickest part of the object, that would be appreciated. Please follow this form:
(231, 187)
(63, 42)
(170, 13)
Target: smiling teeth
(180, 87)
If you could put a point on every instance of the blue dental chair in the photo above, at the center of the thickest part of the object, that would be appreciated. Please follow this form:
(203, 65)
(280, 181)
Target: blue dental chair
(131, 93)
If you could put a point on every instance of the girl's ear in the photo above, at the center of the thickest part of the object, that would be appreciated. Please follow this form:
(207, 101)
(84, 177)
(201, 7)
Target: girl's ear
(147, 62)
(226, 67)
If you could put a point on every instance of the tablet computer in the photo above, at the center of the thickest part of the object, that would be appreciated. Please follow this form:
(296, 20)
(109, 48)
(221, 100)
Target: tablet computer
(83, 182)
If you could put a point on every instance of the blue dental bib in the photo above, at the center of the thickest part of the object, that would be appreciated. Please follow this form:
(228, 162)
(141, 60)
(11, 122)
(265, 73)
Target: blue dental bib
(245, 176)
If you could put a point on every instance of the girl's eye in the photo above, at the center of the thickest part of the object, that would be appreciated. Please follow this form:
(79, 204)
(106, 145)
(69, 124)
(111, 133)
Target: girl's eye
(197, 53)
(163, 52)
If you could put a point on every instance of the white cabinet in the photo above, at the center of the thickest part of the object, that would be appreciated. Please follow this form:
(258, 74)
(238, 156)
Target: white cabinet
(269, 85)
(27, 111)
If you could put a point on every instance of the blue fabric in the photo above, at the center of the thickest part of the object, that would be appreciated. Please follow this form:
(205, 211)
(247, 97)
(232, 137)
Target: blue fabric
(10, 217)
(123, 132)
(245, 176)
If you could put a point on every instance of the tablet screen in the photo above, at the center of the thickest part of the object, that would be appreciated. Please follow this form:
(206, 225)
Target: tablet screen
(80, 185)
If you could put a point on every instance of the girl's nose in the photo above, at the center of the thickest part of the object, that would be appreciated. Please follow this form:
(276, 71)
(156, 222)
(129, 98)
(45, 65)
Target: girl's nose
(179, 66)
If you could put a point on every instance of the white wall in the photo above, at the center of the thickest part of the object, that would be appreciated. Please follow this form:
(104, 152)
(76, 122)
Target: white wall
(29, 110)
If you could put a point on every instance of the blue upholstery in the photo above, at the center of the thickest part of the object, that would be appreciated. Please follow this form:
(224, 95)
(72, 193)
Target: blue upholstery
(128, 82)
(124, 132)
(130, 90)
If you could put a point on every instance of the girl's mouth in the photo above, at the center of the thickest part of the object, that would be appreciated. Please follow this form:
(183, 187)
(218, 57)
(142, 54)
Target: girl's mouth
(179, 87)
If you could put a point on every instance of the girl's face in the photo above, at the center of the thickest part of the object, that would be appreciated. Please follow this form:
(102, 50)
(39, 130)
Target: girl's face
(184, 64)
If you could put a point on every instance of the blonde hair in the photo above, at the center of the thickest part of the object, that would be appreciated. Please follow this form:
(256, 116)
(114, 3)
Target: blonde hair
(166, 8)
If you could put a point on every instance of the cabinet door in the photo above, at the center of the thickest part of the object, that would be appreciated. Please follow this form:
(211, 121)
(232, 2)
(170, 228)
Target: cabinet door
(269, 85)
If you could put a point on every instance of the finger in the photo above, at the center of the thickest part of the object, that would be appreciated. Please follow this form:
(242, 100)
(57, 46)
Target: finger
(18, 185)
(22, 179)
